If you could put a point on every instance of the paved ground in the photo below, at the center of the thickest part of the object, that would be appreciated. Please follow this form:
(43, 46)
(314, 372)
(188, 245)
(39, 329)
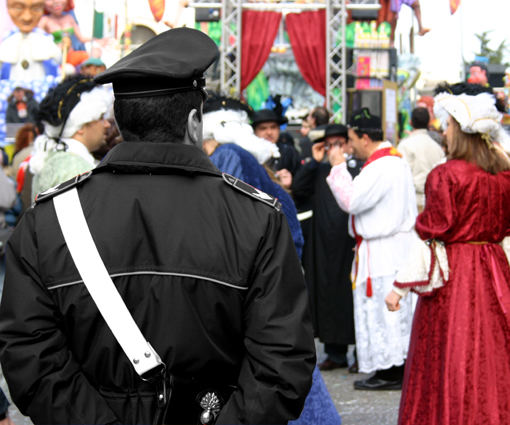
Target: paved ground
(361, 407)
(355, 407)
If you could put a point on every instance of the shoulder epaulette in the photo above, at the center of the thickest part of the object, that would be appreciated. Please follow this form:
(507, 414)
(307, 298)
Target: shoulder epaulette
(62, 187)
(252, 191)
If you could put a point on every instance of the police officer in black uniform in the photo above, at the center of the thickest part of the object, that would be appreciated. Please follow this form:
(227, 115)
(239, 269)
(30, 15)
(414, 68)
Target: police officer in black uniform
(204, 263)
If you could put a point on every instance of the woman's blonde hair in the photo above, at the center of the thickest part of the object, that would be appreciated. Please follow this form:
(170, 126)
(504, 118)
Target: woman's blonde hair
(476, 149)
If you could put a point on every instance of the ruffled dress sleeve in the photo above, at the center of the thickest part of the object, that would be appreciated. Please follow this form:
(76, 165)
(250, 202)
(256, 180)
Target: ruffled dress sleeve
(438, 217)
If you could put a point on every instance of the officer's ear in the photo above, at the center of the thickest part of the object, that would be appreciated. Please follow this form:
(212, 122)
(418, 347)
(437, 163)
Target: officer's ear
(193, 134)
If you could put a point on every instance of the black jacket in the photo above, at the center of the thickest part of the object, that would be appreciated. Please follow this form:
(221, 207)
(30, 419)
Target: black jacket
(328, 254)
(209, 274)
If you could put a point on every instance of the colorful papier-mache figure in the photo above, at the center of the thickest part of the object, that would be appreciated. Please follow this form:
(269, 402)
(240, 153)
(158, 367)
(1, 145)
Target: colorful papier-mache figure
(28, 53)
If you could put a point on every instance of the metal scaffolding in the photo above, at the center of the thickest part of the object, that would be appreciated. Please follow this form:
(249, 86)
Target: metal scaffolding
(336, 52)
(231, 47)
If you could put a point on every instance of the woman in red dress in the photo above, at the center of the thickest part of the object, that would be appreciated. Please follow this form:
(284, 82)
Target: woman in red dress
(458, 366)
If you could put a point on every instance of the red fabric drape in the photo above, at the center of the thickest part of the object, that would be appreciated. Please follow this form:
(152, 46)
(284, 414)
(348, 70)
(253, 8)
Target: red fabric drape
(307, 34)
(259, 30)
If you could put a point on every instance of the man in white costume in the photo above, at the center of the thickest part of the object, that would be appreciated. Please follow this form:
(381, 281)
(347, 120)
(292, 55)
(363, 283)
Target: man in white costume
(382, 204)
(421, 152)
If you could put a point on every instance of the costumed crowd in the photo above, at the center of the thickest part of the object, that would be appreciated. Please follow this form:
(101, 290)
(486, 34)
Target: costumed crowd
(172, 256)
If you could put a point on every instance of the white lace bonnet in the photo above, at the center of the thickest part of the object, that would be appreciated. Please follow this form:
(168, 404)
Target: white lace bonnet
(475, 114)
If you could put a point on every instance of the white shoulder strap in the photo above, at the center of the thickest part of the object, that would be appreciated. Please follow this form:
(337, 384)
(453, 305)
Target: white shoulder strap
(99, 284)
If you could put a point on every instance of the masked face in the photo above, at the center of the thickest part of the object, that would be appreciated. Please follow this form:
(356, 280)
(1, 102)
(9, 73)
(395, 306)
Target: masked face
(25, 13)
(477, 75)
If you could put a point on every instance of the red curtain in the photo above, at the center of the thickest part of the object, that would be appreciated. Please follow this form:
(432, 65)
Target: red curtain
(259, 30)
(307, 34)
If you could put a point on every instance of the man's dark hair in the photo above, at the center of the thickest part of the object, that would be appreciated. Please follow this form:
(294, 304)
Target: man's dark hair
(363, 122)
(156, 119)
(420, 118)
(375, 135)
(320, 115)
(481, 65)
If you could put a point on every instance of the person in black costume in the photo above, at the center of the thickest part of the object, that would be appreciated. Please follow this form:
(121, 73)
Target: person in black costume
(328, 251)
(205, 264)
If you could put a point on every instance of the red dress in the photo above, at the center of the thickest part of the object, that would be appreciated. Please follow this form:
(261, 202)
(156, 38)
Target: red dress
(458, 366)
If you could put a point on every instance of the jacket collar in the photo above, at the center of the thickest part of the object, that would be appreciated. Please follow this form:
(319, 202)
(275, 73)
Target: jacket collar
(157, 158)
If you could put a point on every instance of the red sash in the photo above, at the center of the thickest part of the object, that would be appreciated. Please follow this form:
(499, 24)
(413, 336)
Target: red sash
(379, 153)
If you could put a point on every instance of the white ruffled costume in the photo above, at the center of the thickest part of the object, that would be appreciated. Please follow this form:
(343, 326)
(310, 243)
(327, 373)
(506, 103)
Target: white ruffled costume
(474, 115)
(50, 164)
(31, 49)
(231, 126)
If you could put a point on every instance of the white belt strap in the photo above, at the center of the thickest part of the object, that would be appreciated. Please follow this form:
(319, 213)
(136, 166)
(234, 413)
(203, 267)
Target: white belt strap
(99, 284)
(305, 215)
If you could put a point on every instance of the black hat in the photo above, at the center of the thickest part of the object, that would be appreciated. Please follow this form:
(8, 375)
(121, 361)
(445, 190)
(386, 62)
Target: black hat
(336, 130)
(267, 115)
(317, 134)
(171, 62)
(217, 102)
(362, 119)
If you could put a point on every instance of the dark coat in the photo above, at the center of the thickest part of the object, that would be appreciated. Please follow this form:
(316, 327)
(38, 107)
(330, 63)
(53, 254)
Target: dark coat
(289, 158)
(327, 255)
(209, 274)
(31, 106)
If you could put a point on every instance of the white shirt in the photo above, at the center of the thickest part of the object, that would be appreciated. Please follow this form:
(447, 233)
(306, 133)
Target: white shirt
(78, 148)
(422, 154)
(382, 200)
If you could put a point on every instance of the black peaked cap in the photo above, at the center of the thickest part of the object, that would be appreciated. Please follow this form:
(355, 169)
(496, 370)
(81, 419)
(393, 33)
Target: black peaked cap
(217, 102)
(173, 61)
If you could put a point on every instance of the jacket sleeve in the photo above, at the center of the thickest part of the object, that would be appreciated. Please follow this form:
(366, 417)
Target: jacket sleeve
(362, 193)
(276, 372)
(45, 381)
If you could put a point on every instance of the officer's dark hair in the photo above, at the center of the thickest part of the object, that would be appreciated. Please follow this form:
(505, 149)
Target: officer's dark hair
(320, 115)
(420, 118)
(61, 100)
(156, 119)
